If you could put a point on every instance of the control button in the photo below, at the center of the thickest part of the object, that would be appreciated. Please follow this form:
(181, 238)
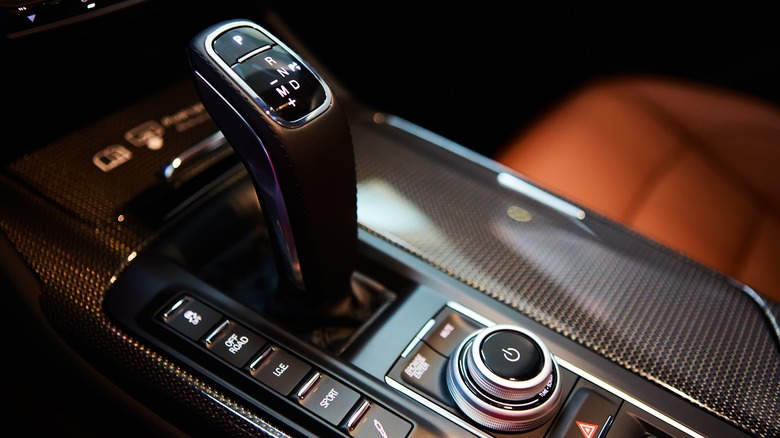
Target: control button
(328, 398)
(502, 383)
(372, 421)
(451, 329)
(588, 413)
(279, 369)
(511, 355)
(234, 343)
(191, 317)
(288, 88)
(423, 369)
(238, 42)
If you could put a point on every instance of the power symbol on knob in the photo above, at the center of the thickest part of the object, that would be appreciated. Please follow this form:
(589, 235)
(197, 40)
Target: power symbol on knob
(511, 354)
(504, 378)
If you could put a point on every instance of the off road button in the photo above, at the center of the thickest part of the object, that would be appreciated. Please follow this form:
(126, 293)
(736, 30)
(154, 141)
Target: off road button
(511, 355)
(234, 343)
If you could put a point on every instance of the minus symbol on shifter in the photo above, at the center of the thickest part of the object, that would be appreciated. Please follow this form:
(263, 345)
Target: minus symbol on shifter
(274, 81)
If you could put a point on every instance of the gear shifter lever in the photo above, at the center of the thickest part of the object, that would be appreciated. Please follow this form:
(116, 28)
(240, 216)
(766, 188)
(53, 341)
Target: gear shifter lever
(294, 140)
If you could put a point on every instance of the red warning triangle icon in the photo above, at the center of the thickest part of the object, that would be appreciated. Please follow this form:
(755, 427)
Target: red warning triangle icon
(587, 429)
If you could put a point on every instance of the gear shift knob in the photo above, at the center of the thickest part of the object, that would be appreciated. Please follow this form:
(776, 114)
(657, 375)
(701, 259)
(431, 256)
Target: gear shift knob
(290, 132)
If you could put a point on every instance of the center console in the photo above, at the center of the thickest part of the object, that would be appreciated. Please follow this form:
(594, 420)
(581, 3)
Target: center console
(476, 304)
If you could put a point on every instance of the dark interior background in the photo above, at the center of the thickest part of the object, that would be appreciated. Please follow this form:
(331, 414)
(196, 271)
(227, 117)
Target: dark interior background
(479, 73)
(474, 74)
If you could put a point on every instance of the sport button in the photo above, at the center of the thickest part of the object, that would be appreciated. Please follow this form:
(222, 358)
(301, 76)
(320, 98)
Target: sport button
(328, 398)
(511, 355)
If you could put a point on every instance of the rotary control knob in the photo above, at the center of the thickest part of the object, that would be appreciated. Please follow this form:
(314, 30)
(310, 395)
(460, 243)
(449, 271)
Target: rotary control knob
(504, 378)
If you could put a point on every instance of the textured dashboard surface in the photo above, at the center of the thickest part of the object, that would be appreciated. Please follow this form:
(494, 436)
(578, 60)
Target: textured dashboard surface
(641, 305)
(74, 226)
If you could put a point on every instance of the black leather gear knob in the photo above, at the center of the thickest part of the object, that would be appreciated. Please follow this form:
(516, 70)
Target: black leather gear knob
(293, 137)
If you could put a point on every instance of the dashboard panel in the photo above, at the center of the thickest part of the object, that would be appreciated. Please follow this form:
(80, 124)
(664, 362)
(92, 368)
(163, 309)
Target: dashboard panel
(133, 230)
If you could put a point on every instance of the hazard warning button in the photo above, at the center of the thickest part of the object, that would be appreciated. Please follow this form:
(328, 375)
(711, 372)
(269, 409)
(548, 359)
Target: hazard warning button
(587, 414)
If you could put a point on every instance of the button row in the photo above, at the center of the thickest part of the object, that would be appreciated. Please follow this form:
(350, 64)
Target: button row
(423, 368)
(279, 79)
(588, 410)
(283, 372)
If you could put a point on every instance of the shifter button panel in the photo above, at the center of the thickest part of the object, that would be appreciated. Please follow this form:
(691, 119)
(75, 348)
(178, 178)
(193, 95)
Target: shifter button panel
(236, 43)
(288, 87)
(282, 374)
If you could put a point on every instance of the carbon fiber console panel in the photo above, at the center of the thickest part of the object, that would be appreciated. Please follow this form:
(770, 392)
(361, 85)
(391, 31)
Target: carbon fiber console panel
(73, 224)
(640, 305)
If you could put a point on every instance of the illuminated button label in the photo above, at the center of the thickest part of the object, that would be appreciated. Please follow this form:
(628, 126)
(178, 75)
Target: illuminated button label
(423, 370)
(236, 344)
(451, 328)
(587, 414)
(417, 367)
(191, 318)
(281, 371)
(286, 86)
(587, 429)
(235, 43)
(511, 355)
(330, 399)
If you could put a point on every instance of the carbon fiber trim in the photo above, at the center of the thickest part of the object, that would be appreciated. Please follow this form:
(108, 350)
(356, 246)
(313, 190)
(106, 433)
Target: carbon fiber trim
(72, 239)
(646, 308)
(641, 305)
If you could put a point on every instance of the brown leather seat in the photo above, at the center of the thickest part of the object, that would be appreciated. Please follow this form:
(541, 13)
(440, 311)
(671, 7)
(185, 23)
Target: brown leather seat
(693, 167)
